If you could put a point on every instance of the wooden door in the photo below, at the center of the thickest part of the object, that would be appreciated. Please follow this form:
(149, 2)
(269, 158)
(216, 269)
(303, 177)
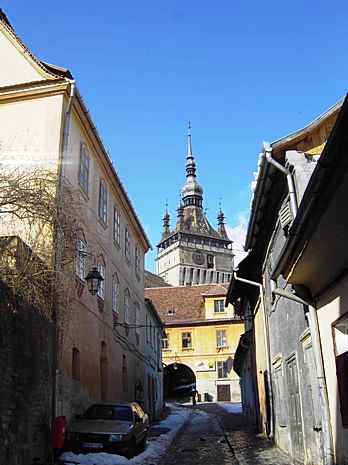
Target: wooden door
(295, 409)
(223, 392)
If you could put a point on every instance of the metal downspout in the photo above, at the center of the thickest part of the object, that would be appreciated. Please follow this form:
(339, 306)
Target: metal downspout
(268, 356)
(315, 337)
(289, 177)
(55, 306)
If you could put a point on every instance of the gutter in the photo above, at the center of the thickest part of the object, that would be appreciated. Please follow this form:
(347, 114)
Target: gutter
(267, 151)
(319, 364)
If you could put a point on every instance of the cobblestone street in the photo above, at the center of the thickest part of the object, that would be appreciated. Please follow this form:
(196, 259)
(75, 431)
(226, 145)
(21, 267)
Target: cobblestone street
(221, 438)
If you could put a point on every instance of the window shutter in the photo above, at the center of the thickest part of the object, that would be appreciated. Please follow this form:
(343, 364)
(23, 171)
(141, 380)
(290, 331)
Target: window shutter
(285, 216)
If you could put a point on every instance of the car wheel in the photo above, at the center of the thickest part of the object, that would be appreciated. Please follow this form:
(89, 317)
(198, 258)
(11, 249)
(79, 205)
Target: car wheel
(132, 449)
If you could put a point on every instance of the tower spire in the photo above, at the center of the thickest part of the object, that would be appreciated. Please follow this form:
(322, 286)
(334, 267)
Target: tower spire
(190, 164)
(166, 220)
(221, 222)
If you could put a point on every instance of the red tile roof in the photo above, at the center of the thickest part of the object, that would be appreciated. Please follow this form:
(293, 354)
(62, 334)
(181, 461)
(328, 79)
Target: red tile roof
(186, 302)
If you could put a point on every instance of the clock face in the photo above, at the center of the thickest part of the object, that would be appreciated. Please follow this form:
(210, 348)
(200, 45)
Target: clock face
(198, 258)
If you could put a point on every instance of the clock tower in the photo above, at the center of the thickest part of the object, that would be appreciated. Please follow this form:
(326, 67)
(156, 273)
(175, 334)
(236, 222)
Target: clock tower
(193, 252)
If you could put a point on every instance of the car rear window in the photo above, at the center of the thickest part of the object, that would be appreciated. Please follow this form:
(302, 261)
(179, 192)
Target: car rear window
(109, 412)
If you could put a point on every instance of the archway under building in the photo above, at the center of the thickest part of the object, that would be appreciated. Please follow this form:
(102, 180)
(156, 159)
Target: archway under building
(178, 381)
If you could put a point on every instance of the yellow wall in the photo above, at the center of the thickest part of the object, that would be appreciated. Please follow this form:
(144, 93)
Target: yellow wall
(260, 365)
(32, 129)
(204, 348)
(209, 309)
(19, 68)
(332, 306)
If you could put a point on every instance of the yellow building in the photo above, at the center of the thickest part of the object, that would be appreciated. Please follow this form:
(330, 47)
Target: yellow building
(45, 123)
(201, 339)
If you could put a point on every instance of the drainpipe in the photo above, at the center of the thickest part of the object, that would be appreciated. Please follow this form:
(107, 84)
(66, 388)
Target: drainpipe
(289, 177)
(55, 305)
(315, 337)
(268, 356)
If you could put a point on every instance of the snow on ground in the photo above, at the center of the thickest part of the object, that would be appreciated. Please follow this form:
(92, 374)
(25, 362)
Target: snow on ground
(231, 407)
(156, 446)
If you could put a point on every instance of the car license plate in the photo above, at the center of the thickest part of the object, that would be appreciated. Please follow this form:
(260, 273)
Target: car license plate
(94, 445)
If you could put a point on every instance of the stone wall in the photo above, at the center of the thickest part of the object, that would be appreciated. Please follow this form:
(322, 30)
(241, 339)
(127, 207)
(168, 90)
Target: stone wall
(25, 382)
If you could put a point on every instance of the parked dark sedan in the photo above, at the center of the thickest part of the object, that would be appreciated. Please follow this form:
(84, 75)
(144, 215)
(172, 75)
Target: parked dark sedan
(113, 428)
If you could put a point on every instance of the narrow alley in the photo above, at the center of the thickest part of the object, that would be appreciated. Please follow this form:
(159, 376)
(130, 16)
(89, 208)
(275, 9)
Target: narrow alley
(216, 433)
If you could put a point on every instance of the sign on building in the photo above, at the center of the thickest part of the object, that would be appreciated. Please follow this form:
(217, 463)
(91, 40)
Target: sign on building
(205, 366)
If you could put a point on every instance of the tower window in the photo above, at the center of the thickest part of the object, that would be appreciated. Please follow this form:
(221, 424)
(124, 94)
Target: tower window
(204, 280)
(210, 261)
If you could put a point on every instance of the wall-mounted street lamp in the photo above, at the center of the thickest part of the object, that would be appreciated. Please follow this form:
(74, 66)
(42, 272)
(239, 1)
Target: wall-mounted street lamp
(94, 280)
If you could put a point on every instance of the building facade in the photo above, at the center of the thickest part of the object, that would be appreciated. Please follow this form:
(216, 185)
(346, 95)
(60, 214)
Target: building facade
(45, 124)
(193, 252)
(283, 346)
(154, 331)
(201, 337)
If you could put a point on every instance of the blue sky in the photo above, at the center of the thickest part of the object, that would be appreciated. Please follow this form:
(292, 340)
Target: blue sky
(241, 72)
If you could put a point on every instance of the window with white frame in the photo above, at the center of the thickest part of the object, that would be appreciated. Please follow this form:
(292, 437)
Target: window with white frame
(115, 294)
(221, 340)
(137, 262)
(126, 307)
(80, 258)
(222, 369)
(127, 245)
(186, 340)
(219, 306)
(101, 292)
(84, 169)
(137, 318)
(103, 202)
(117, 224)
(165, 341)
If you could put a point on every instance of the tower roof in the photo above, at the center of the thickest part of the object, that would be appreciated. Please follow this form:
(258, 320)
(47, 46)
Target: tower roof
(191, 187)
(191, 217)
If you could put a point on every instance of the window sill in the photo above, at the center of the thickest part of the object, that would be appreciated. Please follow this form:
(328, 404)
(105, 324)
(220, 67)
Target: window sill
(187, 349)
(102, 223)
(83, 193)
